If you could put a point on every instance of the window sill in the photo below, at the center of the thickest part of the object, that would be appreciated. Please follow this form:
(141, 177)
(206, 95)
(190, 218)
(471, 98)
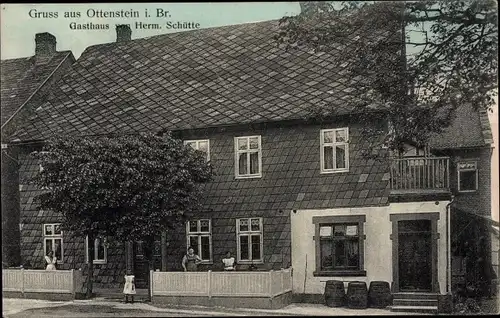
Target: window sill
(249, 177)
(238, 262)
(99, 262)
(206, 263)
(339, 273)
(467, 191)
(334, 171)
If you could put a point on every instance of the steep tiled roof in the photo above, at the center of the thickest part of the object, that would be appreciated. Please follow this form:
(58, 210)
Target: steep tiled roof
(209, 77)
(22, 77)
(469, 128)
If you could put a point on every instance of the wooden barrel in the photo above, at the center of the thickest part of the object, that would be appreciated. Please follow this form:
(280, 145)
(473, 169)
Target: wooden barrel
(334, 293)
(357, 295)
(379, 294)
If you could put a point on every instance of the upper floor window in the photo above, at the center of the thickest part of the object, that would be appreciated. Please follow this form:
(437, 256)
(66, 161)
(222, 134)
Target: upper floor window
(249, 240)
(201, 145)
(53, 241)
(199, 237)
(334, 150)
(467, 176)
(248, 157)
(100, 250)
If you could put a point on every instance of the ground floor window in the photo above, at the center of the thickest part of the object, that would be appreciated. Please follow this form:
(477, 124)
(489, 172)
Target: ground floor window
(249, 240)
(199, 237)
(100, 250)
(53, 241)
(339, 243)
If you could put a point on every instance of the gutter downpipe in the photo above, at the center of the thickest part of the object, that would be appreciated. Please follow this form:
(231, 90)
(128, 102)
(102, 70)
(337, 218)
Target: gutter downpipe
(448, 246)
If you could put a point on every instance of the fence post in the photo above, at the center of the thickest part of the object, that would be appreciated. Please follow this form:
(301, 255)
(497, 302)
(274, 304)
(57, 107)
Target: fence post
(72, 291)
(151, 282)
(282, 281)
(271, 283)
(22, 282)
(209, 292)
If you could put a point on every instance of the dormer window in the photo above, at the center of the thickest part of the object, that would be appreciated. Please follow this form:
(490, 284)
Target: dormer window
(334, 150)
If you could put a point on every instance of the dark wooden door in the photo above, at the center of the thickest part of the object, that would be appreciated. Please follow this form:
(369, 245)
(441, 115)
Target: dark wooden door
(415, 255)
(141, 266)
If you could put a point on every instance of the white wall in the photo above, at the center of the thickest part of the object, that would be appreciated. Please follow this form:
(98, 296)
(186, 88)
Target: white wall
(377, 249)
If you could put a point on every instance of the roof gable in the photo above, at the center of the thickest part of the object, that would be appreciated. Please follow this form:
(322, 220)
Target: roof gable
(469, 128)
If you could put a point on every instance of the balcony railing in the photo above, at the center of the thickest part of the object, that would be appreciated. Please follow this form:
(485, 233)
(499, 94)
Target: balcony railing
(420, 175)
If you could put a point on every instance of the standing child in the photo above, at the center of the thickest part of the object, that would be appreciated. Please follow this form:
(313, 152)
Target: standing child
(129, 288)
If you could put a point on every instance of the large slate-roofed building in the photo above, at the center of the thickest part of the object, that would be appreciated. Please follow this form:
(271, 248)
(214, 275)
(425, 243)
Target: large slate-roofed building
(288, 188)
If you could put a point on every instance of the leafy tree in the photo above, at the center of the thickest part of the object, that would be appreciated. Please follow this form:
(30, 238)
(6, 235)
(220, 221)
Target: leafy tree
(128, 187)
(417, 61)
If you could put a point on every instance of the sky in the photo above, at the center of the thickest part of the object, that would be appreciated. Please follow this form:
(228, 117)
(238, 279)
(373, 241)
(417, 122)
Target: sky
(20, 22)
(18, 28)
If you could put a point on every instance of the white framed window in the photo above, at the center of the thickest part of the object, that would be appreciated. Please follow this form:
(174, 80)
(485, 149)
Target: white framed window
(199, 237)
(467, 176)
(100, 250)
(248, 157)
(334, 152)
(201, 145)
(249, 240)
(53, 241)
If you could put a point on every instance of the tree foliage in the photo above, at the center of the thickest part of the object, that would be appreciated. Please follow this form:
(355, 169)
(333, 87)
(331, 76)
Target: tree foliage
(418, 61)
(126, 187)
(129, 187)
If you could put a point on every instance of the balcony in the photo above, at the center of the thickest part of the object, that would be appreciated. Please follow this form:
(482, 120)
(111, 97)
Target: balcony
(420, 175)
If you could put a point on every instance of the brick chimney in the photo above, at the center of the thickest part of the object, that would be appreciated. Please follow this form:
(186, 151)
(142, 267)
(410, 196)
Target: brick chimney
(45, 44)
(123, 33)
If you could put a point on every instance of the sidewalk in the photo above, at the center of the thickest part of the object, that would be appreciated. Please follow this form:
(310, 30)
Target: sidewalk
(13, 306)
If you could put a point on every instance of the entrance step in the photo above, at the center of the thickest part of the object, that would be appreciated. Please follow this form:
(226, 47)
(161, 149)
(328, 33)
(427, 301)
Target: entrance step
(415, 302)
(416, 309)
(416, 295)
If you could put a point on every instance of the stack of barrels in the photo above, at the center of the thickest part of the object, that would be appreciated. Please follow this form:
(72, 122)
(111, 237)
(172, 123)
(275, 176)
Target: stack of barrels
(357, 295)
(334, 293)
(379, 294)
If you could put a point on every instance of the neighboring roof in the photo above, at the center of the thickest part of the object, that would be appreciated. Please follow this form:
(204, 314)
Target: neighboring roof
(22, 77)
(469, 128)
(194, 79)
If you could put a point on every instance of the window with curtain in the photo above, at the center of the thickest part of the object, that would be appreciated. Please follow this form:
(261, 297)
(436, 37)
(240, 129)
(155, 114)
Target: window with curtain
(249, 240)
(199, 237)
(248, 159)
(53, 241)
(339, 244)
(334, 150)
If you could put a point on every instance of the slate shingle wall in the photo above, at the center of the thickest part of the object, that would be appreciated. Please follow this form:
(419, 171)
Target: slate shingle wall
(291, 177)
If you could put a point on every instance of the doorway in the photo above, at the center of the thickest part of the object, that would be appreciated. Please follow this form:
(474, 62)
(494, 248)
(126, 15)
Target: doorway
(414, 254)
